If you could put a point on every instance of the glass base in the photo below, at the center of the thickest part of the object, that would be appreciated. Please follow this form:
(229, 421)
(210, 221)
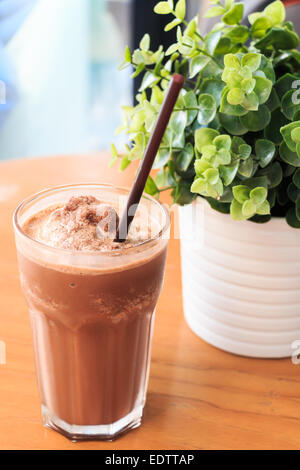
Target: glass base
(106, 432)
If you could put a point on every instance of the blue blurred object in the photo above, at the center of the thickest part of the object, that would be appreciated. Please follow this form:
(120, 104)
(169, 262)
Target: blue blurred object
(12, 15)
(110, 31)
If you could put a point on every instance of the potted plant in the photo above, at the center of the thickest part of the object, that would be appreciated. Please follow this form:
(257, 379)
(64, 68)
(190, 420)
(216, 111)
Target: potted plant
(231, 155)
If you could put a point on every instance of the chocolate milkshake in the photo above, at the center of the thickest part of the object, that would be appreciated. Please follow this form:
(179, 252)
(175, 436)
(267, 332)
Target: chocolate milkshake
(91, 303)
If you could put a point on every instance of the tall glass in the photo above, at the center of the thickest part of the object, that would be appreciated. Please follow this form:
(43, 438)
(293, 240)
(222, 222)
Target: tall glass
(92, 318)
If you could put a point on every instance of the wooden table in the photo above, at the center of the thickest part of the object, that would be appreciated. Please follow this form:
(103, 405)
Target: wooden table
(199, 397)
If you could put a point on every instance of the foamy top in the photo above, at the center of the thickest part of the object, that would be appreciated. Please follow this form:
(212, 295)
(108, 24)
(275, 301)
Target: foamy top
(84, 224)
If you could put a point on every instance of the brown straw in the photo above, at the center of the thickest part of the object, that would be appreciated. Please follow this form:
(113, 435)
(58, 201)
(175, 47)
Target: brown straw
(152, 148)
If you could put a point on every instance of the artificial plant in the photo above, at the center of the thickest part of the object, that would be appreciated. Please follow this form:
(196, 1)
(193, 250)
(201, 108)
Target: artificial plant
(234, 136)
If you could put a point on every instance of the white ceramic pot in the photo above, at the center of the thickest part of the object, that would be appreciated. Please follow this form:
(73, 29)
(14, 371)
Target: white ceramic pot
(241, 282)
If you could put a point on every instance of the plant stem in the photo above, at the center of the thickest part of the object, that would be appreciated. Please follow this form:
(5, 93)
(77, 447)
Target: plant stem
(196, 32)
(191, 83)
(165, 189)
(186, 109)
(167, 147)
(204, 52)
(198, 82)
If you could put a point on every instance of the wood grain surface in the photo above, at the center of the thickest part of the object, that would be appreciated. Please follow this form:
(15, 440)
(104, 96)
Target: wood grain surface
(198, 397)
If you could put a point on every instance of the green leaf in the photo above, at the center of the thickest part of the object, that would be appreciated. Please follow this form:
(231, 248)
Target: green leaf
(255, 121)
(284, 84)
(296, 178)
(173, 24)
(262, 89)
(211, 175)
(223, 46)
(232, 61)
(265, 151)
(180, 9)
(207, 109)
(292, 219)
(190, 101)
(213, 86)
(272, 131)
(125, 162)
(275, 11)
(185, 158)
(161, 159)
(218, 206)
(127, 55)
(288, 171)
(288, 107)
(251, 60)
(286, 132)
(145, 43)
(279, 39)
(236, 143)
(203, 137)
(199, 186)
(257, 181)
(248, 209)
(163, 8)
(273, 101)
(251, 102)
(114, 155)
(236, 210)
(178, 122)
(228, 173)
(149, 81)
(234, 15)
(289, 157)
(232, 124)
(214, 11)
(259, 26)
(244, 151)
(246, 168)
(197, 64)
(212, 40)
(150, 187)
(295, 135)
(241, 193)
(264, 208)
(238, 34)
(266, 66)
(222, 142)
(182, 194)
(253, 17)
(258, 195)
(228, 4)
(273, 173)
(227, 108)
(201, 166)
(138, 70)
(235, 96)
(172, 49)
(260, 219)
(248, 85)
(293, 192)
(163, 178)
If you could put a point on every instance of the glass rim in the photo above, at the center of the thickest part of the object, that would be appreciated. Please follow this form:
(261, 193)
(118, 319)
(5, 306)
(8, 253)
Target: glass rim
(116, 252)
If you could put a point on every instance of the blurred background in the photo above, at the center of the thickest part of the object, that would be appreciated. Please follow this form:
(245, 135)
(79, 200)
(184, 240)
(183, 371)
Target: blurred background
(59, 63)
(59, 60)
